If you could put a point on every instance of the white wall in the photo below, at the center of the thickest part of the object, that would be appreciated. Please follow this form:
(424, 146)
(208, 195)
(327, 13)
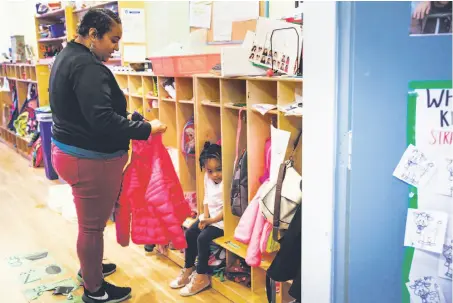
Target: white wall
(318, 165)
(17, 18)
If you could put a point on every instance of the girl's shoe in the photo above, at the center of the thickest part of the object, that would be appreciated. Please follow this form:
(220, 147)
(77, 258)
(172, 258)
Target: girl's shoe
(197, 284)
(183, 279)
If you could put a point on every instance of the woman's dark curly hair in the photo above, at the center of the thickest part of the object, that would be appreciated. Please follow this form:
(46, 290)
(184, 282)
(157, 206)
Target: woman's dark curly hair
(210, 151)
(100, 19)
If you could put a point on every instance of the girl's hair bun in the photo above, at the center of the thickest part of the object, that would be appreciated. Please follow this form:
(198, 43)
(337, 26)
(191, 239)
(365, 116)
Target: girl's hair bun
(207, 144)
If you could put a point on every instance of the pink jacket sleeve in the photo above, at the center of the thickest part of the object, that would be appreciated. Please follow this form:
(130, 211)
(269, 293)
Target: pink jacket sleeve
(253, 257)
(244, 230)
(265, 236)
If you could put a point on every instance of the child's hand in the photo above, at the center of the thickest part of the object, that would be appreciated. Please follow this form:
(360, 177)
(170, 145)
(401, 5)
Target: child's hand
(201, 225)
(206, 222)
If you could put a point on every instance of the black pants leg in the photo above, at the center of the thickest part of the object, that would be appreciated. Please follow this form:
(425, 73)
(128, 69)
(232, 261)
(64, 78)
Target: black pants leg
(191, 251)
(204, 241)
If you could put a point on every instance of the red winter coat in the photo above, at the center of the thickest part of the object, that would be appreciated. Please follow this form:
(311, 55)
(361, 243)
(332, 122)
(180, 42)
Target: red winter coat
(151, 197)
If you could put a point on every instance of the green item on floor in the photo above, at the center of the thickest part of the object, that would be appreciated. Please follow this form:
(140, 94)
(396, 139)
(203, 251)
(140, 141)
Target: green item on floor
(36, 292)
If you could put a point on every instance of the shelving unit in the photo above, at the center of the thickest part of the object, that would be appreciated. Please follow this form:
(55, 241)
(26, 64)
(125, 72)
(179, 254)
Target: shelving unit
(19, 75)
(218, 103)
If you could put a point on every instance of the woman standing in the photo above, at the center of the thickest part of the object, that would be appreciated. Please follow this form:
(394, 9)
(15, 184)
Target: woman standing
(91, 135)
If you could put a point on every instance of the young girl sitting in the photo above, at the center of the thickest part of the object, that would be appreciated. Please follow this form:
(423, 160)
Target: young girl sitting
(208, 227)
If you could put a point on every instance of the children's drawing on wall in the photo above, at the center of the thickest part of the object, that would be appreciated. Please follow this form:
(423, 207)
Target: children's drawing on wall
(425, 290)
(444, 178)
(431, 18)
(414, 168)
(445, 261)
(426, 229)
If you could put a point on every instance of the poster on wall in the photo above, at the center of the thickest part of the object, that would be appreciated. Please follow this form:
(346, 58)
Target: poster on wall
(428, 255)
(133, 20)
(431, 18)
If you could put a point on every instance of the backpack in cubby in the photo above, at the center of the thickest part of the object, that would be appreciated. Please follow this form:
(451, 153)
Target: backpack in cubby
(188, 138)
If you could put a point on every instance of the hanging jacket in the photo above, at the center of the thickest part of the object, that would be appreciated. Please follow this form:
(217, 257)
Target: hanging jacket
(151, 206)
(254, 230)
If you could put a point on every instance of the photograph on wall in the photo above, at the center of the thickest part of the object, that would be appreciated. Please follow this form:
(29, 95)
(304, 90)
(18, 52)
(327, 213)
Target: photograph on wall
(431, 18)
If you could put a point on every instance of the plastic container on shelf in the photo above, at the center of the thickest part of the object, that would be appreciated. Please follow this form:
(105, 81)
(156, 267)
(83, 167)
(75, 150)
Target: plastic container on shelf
(57, 30)
(179, 66)
(44, 117)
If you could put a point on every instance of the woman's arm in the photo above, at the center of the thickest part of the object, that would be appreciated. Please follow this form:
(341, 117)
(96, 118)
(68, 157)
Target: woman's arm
(91, 85)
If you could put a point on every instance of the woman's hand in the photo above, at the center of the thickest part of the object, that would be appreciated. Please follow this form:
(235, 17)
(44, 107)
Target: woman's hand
(157, 127)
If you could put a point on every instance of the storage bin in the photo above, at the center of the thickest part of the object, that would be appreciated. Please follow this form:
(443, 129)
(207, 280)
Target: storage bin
(57, 30)
(44, 117)
(177, 66)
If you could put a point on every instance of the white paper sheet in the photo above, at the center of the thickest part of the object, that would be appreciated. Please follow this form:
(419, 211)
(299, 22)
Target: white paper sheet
(280, 140)
(200, 14)
(425, 289)
(415, 168)
(134, 53)
(235, 61)
(445, 268)
(426, 229)
(425, 263)
(444, 177)
(225, 12)
(264, 108)
(133, 20)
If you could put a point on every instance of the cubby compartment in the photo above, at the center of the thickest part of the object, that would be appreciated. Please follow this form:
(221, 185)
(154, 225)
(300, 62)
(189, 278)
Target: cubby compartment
(187, 163)
(292, 124)
(151, 109)
(122, 82)
(135, 86)
(184, 90)
(32, 73)
(261, 92)
(236, 292)
(208, 91)
(230, 126)
(167, 115)
(207, 124)
(258, 131)
(150, 88)
(136, 104)
(233, 93)
(163, 94)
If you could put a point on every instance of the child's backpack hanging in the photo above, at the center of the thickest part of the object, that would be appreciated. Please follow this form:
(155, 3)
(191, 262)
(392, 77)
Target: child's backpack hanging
(188, 138)
(239, 186)
(267, 161)
(14, 109)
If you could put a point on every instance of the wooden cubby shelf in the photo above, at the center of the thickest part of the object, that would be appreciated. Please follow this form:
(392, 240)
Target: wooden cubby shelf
(19, 76)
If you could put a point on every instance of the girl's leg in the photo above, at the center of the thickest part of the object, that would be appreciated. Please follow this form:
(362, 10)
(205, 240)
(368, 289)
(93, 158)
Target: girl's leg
(191, 251)
(190, 255)
(204, 241)
(95, 186)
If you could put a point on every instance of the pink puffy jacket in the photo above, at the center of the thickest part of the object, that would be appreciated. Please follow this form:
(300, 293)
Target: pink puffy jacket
(254, 230)
(151, 207)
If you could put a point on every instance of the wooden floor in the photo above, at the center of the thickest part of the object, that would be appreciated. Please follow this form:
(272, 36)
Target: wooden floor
(27, 225)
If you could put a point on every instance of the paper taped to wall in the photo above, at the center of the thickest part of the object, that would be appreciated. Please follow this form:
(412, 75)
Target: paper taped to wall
(444, 177)
(425, 290)
(415, 168)
(200, 14)
(445, 269)
(426, 229)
